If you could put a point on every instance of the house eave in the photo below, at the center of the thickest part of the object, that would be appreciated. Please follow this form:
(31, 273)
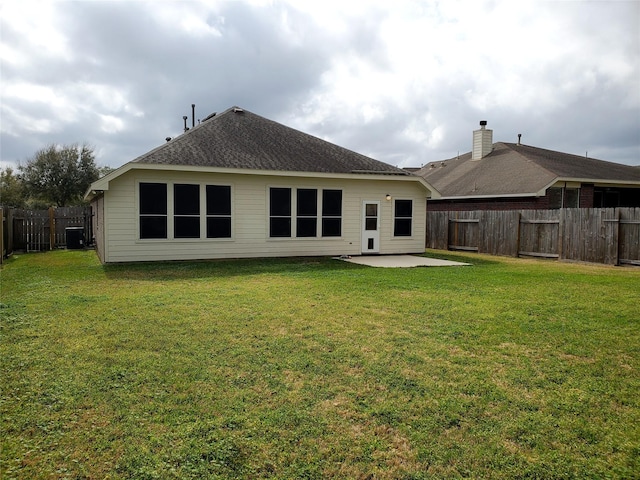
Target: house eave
(494, 195)
(600, 182)
(103, 184)
(558, 181)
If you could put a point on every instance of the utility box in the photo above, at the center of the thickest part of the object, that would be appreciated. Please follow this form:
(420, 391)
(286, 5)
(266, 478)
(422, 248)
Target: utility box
(75, 237)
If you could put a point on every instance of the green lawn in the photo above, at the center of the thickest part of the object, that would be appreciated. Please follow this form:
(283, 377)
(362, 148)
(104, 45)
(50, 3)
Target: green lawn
(316, 368)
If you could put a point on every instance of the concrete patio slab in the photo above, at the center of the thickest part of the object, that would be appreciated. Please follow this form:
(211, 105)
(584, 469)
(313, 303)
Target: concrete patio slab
(400, 261)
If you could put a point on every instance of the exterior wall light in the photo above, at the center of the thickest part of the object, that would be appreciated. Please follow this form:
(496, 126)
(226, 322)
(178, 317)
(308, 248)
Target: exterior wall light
(388, 197)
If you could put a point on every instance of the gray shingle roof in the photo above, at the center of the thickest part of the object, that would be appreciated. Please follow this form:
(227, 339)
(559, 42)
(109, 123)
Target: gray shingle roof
(238, 138)
(512, 169)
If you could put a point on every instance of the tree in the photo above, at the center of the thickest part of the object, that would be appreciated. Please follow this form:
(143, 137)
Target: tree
(105, 170)
(60, 174)
(12, 191)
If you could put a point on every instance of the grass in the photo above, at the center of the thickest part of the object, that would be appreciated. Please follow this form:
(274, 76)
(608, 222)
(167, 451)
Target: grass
(315, 368)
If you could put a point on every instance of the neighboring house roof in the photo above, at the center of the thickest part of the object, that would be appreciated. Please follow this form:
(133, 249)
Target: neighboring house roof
(243, 142)
(238, 138)
(512, 170)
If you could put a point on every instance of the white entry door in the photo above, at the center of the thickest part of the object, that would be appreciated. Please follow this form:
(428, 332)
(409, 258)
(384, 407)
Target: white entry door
(370, 227)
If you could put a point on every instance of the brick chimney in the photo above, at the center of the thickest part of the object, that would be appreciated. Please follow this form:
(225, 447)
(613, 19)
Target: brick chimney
(482, 141)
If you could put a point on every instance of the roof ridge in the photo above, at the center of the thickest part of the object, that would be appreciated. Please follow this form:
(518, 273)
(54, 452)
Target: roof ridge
(511, 145)
(555, 155)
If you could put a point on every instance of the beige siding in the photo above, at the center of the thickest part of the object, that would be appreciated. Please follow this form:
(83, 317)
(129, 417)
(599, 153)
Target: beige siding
(250, 218)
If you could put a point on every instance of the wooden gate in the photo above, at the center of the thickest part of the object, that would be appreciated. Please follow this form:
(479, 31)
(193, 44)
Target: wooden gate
(539, 234)
(464, 232)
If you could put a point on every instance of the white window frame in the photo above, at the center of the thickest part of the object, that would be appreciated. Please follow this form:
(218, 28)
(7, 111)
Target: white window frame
(171, 211)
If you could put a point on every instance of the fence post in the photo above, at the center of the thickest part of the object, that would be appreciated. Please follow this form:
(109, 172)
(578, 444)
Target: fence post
(617, 233)
(446, 235)
(9, 231)
(2, 220)
(563, 212)
(455, 231)
(612, 240)
(52, 228)
(517, 254)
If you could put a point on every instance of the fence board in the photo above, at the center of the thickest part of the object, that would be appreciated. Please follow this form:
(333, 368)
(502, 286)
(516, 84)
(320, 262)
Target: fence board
(597, 235)
(612, 234)
(438, 231)
(588, 237)
(3, 229)
(539, 233)
(70, 217)
(497, 232)
(629, 236)
(6, 237)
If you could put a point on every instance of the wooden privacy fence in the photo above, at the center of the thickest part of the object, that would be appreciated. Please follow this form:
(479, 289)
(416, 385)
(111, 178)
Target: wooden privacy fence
(3, 234)
(39, 230)
(598, 235)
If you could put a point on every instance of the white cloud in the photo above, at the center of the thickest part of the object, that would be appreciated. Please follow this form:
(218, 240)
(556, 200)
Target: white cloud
(403, 81)
(111, 124)
(35, 23)
(31, 92)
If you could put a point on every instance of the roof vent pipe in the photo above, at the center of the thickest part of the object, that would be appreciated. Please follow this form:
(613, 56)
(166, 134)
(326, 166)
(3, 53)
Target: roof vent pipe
(519, 137)
(184, 117)
(482, 142)
(193, 114)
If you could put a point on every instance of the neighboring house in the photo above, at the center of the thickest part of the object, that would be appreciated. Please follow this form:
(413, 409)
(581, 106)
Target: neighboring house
(505, 176)
(240, 185)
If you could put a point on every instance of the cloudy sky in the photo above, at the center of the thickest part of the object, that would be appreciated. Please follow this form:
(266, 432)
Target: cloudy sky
(405, 82)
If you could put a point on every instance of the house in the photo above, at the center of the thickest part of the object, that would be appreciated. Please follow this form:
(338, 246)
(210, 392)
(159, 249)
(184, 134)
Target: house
(505, 176)
(239, 185)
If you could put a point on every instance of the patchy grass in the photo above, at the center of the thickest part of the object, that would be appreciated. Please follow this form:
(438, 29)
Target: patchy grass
(315, 368)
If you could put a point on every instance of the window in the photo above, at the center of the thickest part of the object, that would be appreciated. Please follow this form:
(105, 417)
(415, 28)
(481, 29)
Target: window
(571, 197)
(280, 212)
(562, 197)
(403, 213)
(153, 210)
(218, 211)
(331, 213)
(307, 212)
(371, 216)
(186, 211)
(554, 196)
